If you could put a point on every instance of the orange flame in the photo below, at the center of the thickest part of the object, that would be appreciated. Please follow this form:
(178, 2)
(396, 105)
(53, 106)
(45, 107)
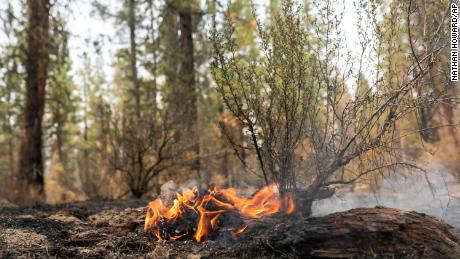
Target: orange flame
(266, 201)
(238, 232)
(179, 236)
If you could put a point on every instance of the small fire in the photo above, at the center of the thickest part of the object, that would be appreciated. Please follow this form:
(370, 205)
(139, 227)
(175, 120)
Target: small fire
(266, 201)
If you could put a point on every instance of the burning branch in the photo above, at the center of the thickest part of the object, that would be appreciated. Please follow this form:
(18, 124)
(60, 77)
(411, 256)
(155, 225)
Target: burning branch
(207, 209)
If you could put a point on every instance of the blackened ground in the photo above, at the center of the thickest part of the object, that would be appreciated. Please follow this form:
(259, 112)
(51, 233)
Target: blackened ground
(114, 229)
(90, 229)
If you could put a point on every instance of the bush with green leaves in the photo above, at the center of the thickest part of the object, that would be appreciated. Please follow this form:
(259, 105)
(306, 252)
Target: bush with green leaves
(306, 129)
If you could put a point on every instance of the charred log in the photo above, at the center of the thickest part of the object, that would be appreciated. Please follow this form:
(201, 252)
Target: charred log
(115, 230)
(358, 233)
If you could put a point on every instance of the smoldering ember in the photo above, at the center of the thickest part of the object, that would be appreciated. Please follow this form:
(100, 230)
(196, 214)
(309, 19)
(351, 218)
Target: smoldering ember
(228, 129)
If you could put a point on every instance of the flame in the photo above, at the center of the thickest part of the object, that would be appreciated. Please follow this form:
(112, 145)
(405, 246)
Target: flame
(289, 202)
(179, 236)
(265, 202)
(238, 231)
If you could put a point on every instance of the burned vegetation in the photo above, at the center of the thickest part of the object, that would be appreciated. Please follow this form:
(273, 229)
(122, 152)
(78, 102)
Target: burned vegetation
(115, 229)
(192, 214)
(258, 118)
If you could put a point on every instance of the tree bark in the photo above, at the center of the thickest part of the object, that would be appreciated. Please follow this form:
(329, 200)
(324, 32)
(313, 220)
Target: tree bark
(31, 161)
(156, 47)
(188, 81)
(133, 56)
(358, 233)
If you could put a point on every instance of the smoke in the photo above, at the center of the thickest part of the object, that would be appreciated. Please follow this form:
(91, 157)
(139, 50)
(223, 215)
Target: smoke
(436, 194)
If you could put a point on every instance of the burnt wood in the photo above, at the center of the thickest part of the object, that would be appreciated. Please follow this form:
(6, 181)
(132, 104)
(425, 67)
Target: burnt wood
(114, 229)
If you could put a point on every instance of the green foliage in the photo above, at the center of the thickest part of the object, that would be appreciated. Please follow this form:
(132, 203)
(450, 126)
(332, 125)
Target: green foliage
(93, 146)
(272, 95)
(293, 100)
(285, 83)
(12, 81)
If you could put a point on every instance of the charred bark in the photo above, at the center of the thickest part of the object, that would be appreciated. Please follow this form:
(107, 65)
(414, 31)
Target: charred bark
(358, 233)
(305, 199)
(113, 229)
(31, 161)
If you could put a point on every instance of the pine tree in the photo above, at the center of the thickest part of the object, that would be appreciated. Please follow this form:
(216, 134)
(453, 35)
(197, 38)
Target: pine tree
(12, 85)
(31, 164)
(61, 117)
(93, 168)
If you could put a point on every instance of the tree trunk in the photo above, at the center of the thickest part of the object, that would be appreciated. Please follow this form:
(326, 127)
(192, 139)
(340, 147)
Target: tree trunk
(31, 160)
(187, 74)
(133, 56)
(156, 47)
(435, 83)
(59, 140)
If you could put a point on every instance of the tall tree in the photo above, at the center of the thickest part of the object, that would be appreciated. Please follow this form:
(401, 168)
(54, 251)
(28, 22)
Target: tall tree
(61, 99)
(178, 48)
(31, 160)
(61, 117)
(430, 33)
(187, 75)
(133, 55)
(93, 166)
(12, 79)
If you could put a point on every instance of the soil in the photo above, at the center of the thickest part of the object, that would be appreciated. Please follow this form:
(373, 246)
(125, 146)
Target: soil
(114, 229)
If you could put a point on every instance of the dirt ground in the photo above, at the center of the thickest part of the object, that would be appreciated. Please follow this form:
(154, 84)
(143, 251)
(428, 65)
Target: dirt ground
(114, 229)
(89, 229)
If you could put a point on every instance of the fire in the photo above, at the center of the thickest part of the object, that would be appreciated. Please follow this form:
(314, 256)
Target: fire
(265, 202)
(238, 231)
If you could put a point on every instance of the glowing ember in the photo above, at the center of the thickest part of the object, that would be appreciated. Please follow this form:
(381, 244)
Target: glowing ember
(238, 231)
(266, 201)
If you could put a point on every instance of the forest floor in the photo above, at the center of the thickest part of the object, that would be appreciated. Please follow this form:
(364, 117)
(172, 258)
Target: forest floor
(114, 229)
